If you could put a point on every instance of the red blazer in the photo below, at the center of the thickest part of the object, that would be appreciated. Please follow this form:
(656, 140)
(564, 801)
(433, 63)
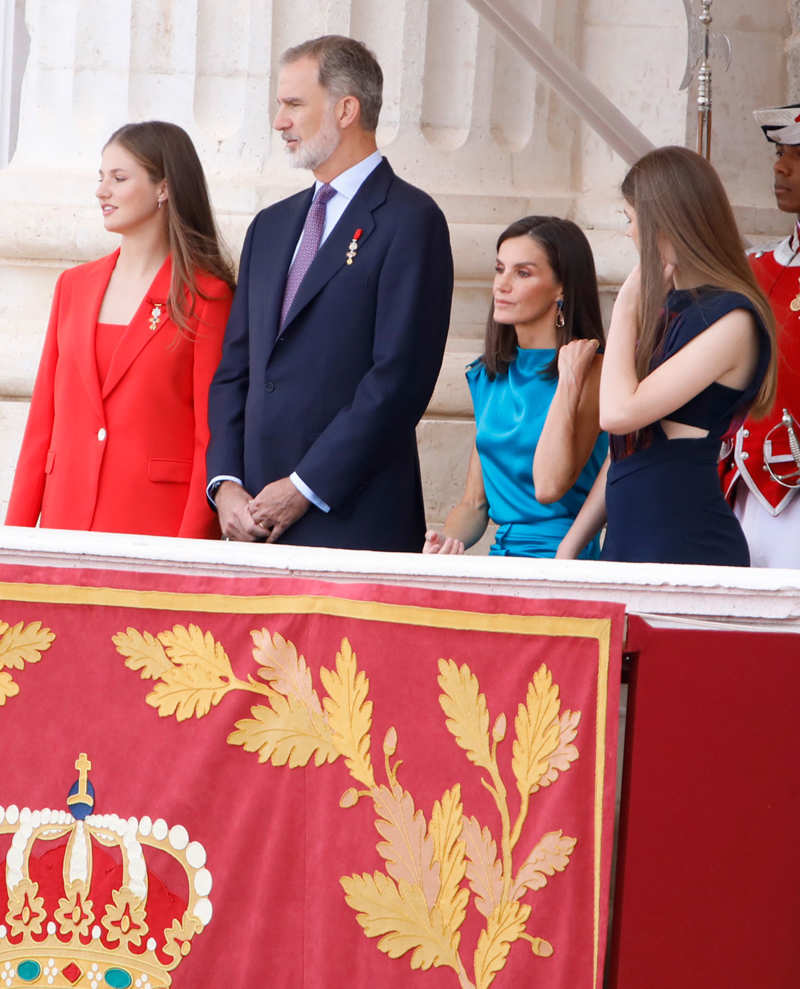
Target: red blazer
(126, 454)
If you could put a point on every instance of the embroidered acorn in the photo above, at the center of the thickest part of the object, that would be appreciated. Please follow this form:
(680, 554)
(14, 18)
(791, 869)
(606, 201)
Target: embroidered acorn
(349, 798)
(390, 742)
(352, 249)
(500, 727)
(541, 947)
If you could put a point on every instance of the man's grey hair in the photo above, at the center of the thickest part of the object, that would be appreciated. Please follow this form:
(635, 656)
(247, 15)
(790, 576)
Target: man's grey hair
(346, 68)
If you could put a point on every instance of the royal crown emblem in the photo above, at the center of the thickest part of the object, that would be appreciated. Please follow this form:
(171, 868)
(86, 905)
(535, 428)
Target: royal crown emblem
(85, 908)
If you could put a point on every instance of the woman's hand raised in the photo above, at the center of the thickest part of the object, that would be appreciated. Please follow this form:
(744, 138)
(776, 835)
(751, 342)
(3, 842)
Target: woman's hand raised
(575, 360)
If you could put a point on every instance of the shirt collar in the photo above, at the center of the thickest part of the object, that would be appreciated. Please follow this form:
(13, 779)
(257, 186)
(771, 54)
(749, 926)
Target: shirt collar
(348, 182)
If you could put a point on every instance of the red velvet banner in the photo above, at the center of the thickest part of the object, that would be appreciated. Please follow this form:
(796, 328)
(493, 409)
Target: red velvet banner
(708, 876)
(294, 783)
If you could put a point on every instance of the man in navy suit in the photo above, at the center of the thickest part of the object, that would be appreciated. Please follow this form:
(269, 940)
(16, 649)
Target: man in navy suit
(337, 330)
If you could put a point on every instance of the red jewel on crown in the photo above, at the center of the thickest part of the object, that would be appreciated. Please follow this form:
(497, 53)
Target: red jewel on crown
(352, 249)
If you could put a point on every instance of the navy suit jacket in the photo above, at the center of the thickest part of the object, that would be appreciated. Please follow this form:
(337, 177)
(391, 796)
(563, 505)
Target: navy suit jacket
(337, 395)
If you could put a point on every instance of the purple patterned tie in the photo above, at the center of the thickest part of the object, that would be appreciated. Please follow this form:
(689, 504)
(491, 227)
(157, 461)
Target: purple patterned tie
(309, 245)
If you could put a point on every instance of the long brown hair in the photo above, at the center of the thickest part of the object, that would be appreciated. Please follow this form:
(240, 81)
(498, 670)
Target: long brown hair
(167, 153)
(678, 195)
(570, 257)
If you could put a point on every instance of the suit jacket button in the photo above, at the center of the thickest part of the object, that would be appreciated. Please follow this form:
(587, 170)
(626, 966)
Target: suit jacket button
(270, 386)
(101, 433)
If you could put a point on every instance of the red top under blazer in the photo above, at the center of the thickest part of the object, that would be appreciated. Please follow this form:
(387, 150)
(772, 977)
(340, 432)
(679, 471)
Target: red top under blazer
(126, 454)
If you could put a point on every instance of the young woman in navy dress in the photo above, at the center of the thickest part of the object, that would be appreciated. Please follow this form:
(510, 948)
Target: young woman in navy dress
(690, 350)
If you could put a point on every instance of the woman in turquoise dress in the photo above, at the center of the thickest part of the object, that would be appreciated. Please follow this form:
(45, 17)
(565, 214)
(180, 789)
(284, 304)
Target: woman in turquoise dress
(538, 446)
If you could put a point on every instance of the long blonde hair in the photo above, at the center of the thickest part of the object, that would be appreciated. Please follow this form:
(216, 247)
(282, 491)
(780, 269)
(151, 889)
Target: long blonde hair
(678, 195)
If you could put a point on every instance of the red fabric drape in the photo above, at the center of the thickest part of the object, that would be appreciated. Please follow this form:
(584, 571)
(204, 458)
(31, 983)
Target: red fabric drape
(347, 817)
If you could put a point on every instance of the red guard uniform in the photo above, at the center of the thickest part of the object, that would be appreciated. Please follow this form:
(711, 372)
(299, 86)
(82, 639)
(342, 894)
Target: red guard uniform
(769, 511)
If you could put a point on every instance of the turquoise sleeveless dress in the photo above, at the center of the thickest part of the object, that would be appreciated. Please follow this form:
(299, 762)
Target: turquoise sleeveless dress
(509, 417)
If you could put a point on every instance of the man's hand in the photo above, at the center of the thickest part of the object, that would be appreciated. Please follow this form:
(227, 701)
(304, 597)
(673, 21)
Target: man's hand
(276, 507)
(235, 519)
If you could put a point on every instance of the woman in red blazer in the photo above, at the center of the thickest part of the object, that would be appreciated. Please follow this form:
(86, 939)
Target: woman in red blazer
(118, 427)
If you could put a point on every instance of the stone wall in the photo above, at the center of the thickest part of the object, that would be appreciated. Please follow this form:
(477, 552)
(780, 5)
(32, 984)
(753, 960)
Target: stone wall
(464, 117)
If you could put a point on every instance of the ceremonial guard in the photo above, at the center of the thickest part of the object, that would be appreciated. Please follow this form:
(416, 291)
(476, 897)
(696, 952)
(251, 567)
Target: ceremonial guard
(760, 469)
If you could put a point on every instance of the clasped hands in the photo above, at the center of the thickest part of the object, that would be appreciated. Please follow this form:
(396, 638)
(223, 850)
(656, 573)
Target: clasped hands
(263, 518)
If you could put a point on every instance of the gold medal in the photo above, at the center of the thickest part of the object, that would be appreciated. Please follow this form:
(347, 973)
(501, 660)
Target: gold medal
(352, 248)
(155, 316)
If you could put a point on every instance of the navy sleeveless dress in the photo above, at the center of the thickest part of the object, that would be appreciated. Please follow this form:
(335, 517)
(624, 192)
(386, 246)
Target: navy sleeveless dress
(663, 497)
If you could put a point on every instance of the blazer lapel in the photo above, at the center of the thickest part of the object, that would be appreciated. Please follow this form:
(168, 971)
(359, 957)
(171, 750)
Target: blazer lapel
(332, 256)
(139, 333)
(86, 326)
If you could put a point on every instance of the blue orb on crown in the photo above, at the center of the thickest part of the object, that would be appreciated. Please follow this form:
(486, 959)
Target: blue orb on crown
(80, 799)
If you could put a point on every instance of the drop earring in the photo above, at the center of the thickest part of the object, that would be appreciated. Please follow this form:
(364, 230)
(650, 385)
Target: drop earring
(560, 321)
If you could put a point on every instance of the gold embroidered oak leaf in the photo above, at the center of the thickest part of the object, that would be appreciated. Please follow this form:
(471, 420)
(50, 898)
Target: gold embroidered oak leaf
(566, 753)
(142, 652)
(285, 733)
(191, 647)
(407, 849)
(549, 856)
(197, 676)
(484, 871)
(399, 916)
(449, 849)
(349, 713)
(280, 665)
(187, 691)
(537, 728)
(505, 925)
(467, 716)
(21, 643)
(8, 688)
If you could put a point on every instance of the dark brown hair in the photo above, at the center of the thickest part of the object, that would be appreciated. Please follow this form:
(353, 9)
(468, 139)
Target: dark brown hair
(678, 195)
(570, 256)
(167, 153)
(346, 68)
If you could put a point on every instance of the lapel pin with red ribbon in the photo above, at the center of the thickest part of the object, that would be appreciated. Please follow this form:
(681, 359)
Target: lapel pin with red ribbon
(352, 249)
(155, 315)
